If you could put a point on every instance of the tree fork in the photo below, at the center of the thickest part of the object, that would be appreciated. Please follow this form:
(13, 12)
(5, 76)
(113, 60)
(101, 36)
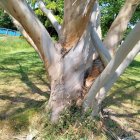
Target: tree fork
(67, 68)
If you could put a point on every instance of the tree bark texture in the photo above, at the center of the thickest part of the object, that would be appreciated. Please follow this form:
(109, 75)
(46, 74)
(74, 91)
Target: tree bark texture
(70, 61)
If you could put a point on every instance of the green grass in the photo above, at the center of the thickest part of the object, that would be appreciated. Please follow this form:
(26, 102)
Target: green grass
(23, 84)
(23, 91)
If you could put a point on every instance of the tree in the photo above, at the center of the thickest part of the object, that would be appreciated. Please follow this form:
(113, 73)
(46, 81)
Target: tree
(77, 76)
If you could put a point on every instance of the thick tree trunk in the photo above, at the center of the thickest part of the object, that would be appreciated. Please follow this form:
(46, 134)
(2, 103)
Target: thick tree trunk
(67, 76)
(69, 60)
(66, 69)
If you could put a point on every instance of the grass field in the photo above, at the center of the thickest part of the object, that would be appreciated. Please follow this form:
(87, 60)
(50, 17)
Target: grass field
(24, 89)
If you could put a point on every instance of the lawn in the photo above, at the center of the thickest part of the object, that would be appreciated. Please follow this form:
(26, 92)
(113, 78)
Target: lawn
(24, 89)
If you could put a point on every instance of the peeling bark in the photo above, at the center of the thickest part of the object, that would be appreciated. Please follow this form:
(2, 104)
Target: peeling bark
(68, 79)
(76, 18)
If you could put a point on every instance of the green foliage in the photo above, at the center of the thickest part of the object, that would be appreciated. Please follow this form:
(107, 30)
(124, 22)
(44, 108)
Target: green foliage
(56, 6)
(5, 21)
(73, 125)
(110, 10)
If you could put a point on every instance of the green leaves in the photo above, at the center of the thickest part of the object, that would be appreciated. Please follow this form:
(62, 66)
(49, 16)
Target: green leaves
(109, 11)
(5, 21)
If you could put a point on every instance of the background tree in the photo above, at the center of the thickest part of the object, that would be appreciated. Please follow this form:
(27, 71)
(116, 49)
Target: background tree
(5, 21)
(110, 10)
(76, 76)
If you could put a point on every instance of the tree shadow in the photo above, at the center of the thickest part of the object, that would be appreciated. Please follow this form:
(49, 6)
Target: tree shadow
(18, 108)
(135, 64)
(127, 92)
(25, 79)
(30, 84)
(29, 103)
(105, 125)
(114, 131)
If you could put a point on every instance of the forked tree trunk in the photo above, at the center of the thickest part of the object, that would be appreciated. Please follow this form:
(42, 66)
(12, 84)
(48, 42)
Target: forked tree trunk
(68, 61)
(66, 68)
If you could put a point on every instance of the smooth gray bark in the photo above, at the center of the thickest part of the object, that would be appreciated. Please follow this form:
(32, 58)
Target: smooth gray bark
(99, 46)
(96, 34)
(96, 19)
(121, 54)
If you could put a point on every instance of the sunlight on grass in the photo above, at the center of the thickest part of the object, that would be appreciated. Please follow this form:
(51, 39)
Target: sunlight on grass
(23, 84)
(23, 91)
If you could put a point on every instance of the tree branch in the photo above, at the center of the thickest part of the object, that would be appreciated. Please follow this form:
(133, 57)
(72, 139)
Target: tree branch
(96, 18)
(119, 26)
(121, 54)
(99, 46)
(20, 10)
(76, 18)
(107, 86)
(96, 35)
(26, 36)
(50, 16)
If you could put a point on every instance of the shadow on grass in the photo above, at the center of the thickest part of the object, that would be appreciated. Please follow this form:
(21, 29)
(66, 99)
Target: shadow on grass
(29, 65)
(125, 91)
(25, 79)
(135, 64)
(30, 84)
(126, 87)
(128, 91)
(114, 131)
(29, 103)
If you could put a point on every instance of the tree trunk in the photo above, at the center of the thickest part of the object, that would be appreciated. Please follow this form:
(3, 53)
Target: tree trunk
(67, 76)
(70, 61)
